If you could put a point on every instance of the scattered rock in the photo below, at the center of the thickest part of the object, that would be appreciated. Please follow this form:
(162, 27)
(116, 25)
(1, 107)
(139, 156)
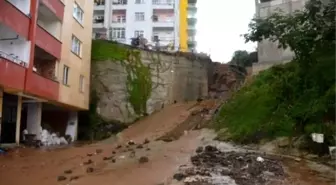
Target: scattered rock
(132, 154)
(113, 160)
(61, 178)
(143, 159)
(88, 162)
(131, 142)
(297, 159)
(167, 140)
(139, 146)
(179, 176)
(199, 150)
(148, 149)
(74, 178)
(68, 171)
(282, 142)
(146, 141)
(113, 152)
(89, 170)
(118, 147)
(210, 148)
(98, 151)
(107, 158)
(89, 155)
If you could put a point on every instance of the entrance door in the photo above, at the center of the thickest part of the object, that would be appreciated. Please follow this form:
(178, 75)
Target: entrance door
(8, 124)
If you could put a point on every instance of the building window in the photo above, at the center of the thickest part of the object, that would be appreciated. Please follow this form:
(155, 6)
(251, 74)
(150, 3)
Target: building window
(120, 2)
(81, 83)
(121, 19)
(118, 33)
(138, 33)
(65, 75)
(76, 46)
(139, 1)
(139, 16)
(78, 13)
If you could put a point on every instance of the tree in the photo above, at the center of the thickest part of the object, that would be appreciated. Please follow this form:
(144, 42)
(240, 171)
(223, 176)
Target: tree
(309, 33)
(244, 59)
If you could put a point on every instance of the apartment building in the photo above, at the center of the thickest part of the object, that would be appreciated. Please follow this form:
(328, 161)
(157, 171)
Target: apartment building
(268, 52)
(45, 50)
(187, 25)
(156, 20)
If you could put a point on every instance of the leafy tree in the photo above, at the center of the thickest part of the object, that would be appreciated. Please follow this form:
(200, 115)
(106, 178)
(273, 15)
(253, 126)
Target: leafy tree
(244, 59)
(309, 33)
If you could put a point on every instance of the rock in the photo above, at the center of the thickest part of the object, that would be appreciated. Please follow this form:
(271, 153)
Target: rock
(113, 152)
(143, 159)
(98, 151)
(146, 141)
(132, 154)
(148, 149)
(131, 142)
(282, 142)
(139, 146)
(61, 178)
(118, 147)
(107, 158)
(297, 159)
(68, 171)
(210, 148)
(167, 140)
(88, 162)
(179, 176)
(89, 155)
(260, 159)
(74, 178)
(113, 160)
(89, 170)
(199, 150)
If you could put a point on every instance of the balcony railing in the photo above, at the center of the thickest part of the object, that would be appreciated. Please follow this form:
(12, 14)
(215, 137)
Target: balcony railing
(11, 57)
(163, 2)
(48, 42)
(55, 6)
(119, 2)
(41, 86)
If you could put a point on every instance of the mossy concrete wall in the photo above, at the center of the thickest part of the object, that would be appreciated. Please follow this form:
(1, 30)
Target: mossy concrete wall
(174, 77)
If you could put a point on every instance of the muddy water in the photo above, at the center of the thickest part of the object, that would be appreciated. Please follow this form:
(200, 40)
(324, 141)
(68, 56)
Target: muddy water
(42, 167)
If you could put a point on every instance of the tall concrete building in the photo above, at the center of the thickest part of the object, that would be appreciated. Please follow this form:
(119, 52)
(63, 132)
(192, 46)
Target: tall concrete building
(170, 22)
(44, 66)
(268, 52)
(187, 27)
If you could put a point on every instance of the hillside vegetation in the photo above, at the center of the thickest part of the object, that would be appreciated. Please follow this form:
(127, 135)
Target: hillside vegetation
(295, 98)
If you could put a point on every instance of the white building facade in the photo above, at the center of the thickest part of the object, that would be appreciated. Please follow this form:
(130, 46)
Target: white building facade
(122, 20)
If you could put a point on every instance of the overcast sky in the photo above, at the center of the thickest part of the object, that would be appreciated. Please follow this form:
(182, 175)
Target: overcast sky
(220, 24)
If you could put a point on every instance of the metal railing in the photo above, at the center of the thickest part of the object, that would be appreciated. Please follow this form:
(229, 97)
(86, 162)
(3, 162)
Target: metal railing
(13, 58)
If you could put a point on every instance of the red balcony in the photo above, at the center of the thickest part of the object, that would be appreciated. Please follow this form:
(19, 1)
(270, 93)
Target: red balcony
(12, 75)
(55, 6)
(14, 18)
(42, 87)
(48, 42)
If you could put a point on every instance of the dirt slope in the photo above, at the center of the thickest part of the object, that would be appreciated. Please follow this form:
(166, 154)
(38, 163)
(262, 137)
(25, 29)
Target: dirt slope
(121, 165)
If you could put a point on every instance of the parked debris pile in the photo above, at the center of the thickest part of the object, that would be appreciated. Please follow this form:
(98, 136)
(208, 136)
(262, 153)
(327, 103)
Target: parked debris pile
(212, 167)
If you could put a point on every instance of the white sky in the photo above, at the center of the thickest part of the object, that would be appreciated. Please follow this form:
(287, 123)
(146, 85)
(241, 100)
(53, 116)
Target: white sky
(219, 26)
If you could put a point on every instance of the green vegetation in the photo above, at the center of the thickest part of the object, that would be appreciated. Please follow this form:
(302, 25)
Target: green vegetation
(295, 98)
(139, 82)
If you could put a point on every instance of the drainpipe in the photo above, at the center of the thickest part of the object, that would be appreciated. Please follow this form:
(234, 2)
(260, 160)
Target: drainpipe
(31, 37)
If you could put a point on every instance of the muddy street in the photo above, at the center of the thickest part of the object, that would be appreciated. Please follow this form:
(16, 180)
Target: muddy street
(137, 156)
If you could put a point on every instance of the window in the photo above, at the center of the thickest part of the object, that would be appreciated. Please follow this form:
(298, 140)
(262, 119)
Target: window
(139, 16)
(118, 33)
(76, 46)
(138, 33)
(139, 1)
(120, 2)
(78, 13)
(81, 83)
(65, 75)
(121, 19)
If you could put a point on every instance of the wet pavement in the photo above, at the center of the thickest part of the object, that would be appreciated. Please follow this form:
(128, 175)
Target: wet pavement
(149, 161)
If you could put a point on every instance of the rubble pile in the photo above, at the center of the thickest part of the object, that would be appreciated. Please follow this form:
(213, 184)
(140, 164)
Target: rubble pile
(213, 167)
(49, 139)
